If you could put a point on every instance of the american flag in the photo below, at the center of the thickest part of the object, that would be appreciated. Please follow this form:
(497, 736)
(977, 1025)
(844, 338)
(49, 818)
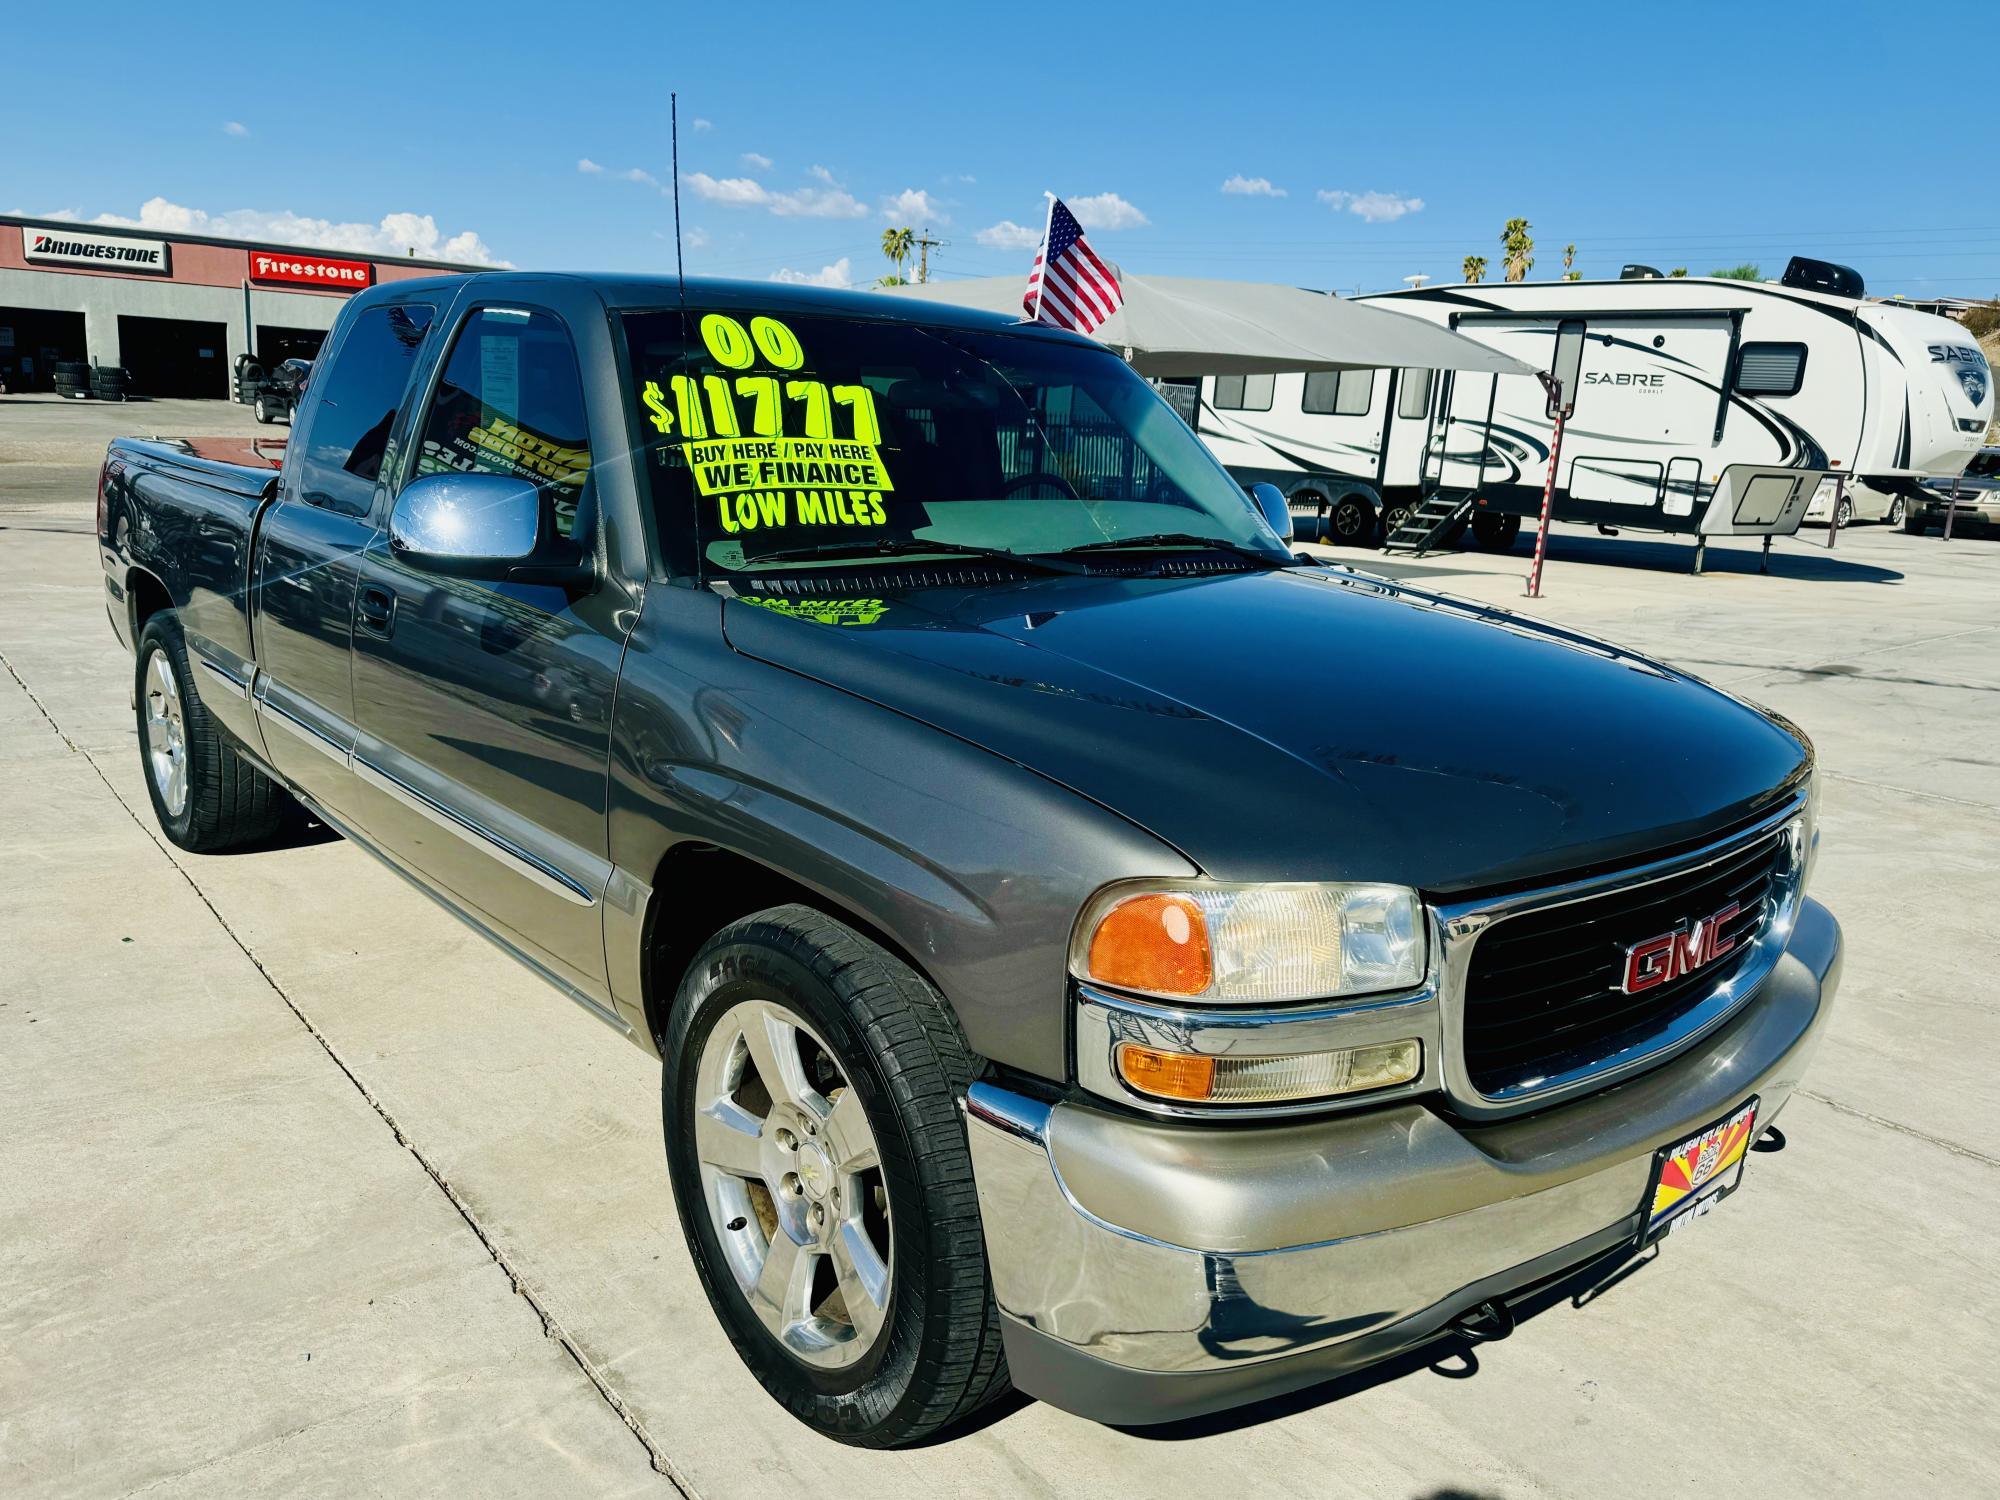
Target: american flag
(1069, 286)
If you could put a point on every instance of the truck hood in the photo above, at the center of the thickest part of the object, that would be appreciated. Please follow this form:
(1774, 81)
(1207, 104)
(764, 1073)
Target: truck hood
(1307, 723)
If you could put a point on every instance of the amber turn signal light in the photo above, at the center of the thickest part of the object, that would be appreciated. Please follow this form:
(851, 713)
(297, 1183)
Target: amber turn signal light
(1167, 1075)
(1157, 943)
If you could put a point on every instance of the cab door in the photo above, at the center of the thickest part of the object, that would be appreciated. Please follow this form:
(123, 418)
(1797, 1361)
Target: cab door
(310, 542)
(483, 704)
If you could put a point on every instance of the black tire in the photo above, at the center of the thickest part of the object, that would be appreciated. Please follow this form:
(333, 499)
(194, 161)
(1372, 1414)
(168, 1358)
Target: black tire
(228, 801)
(262, 410)
(1495, 531)
(937, 1357)
(1843, 513)
(1394, 513)
(1351, 521)
(1897, 508)
(72, 369)
(1915, 523)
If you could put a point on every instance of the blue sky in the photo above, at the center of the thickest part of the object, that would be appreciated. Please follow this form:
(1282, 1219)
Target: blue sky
(1388, 140)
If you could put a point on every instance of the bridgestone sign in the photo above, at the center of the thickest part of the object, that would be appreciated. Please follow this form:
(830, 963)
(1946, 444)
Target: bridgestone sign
(102, 252)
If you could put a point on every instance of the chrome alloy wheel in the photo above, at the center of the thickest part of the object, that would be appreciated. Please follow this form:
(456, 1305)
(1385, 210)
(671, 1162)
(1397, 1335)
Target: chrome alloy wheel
(166, 735)
(793, 1184)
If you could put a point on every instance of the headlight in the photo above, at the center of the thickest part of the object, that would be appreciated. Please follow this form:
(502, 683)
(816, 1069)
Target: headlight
(1246, 944)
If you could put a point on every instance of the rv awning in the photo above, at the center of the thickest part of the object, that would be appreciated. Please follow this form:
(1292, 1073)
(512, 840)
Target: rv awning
(1174, 325)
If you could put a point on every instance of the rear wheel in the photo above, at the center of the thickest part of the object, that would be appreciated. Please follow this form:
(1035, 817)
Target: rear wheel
(823, 1181)
(1915, 523)
(1843, 514)
(261, 408)
(204, 793)
(1394, 514)
(1893, 516)
(1351, 522)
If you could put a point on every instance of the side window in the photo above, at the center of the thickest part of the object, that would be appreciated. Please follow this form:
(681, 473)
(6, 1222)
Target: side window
(361, 390)
(511, 402)
(1771, 369)
(1338, 393)
(1413, 393)
(1244, 392)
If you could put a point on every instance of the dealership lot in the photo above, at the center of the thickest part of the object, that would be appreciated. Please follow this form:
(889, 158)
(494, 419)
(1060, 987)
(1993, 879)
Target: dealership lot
(311, 1192)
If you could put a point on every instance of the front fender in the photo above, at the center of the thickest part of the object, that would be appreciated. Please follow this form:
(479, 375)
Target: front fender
(974, 866)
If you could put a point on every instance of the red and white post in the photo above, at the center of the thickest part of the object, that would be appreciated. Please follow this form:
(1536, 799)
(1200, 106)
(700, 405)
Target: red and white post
(1548, 503)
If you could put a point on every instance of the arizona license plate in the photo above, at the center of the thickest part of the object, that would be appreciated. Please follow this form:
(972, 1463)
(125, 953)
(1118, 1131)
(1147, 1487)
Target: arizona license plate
(1691, 1176)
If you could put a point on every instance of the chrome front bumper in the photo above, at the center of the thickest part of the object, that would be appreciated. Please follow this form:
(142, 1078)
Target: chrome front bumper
(1150, 1270)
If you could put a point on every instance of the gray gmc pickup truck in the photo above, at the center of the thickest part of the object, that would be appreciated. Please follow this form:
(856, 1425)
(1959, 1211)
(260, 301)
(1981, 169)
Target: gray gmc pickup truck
(1089, 946)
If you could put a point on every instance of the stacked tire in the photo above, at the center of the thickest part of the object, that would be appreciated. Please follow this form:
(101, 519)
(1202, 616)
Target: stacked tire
(109, 382)
(72, 379)
(249, 378)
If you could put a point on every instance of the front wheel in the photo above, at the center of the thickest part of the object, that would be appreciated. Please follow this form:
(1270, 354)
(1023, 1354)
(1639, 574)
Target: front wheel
(822, 1176)
(262, 410)
(1494, 531)
(1843, 514)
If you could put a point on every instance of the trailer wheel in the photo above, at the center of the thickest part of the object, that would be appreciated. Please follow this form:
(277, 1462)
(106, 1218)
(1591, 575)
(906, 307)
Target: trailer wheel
(1394, 514)
(1351, 522)
(1494, 531)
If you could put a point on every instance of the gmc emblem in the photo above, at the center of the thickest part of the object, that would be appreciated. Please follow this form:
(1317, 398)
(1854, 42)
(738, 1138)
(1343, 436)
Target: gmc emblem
(1682, 951)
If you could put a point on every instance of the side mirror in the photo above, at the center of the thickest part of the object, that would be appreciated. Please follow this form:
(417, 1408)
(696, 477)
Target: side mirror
(483, 525)
(1276, 510)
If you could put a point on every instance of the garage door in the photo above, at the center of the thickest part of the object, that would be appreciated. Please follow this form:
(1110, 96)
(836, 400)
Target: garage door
(31, 341)
(175, 357)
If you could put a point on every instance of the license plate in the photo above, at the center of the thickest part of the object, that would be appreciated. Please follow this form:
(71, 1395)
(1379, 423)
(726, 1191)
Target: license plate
(1692, 1175)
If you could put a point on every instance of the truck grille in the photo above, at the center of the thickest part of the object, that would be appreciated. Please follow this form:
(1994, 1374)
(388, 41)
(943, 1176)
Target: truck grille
(1544, 989)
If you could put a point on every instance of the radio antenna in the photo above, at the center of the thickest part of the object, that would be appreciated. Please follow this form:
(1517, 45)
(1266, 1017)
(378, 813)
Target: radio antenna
(674, 130)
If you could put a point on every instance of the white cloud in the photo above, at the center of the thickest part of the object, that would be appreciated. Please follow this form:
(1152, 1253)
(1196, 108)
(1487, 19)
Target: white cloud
(799, 203)
(396, 235)
(640, 174)
(825, 176)
(588, 167)
(840, 273)
(1252, 187)
(913, 206)
(1007, 235)
(1106, 211)
(703, 125)
(697, 238)
(1375, 208)
(967, 178)
(236, 128)
(756, 159)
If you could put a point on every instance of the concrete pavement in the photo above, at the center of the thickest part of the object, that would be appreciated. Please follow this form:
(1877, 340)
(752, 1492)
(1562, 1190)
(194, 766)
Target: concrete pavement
(274, 1105)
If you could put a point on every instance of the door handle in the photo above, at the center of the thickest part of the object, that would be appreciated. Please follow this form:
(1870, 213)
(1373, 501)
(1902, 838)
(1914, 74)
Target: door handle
(376, 608)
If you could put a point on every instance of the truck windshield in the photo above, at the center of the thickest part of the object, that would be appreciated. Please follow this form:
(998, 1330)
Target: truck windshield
(788, 442)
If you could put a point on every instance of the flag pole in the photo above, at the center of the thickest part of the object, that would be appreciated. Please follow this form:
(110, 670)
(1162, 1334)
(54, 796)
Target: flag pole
(1048, 223)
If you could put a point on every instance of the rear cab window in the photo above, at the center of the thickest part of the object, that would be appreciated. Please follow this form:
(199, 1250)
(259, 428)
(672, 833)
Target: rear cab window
(348, 445)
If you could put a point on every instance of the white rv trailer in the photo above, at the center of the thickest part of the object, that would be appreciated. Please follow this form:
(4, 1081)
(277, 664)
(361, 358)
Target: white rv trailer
(1681, 378)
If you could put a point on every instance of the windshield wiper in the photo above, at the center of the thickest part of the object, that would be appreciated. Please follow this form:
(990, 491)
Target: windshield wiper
(1175, 539)
(898, 546)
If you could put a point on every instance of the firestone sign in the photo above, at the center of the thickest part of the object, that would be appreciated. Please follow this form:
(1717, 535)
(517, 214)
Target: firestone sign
(102, 252)
(295, 269)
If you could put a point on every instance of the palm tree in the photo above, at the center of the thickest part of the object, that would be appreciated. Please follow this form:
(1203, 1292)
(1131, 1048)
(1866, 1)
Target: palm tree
(1749, 270)
(1678, 271)
(1520, 249)
(897, 244)
(1569, 260)
(1474, 269)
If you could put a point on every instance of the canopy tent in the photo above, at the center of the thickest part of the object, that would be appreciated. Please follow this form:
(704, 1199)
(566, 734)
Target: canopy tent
(1175, 325)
